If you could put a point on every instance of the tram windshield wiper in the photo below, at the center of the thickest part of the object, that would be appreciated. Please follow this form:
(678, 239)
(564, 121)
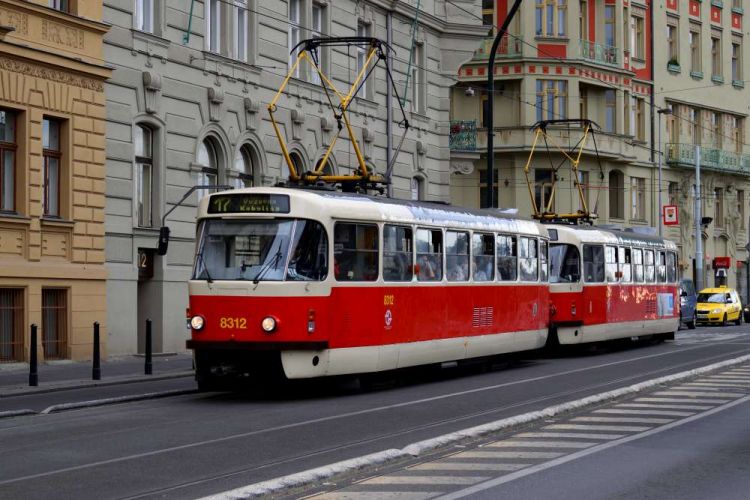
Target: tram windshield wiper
(274, 261)
(205, 267)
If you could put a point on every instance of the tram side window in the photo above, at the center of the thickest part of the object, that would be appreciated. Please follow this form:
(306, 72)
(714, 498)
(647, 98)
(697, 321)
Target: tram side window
(593, 263)
(430, 254)
(661, 267)
(398, 247)
(543, 269)
(564, 265)
(507, 258)
(355, 252)
(457, 256)
(637, 265)
(483, 254)
(624, 264)
(309, 261)
(529, 260)
(610, 259)
(671, 268)
(648, 258)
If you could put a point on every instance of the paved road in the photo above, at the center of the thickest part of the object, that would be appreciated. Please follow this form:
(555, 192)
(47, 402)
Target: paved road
(688, 440)
(197, 444)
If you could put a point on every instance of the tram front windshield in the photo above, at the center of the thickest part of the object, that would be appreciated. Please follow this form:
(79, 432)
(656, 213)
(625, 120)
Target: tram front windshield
(261, 250)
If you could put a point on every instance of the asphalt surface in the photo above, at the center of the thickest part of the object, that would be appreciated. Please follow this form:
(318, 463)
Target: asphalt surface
(197, 444)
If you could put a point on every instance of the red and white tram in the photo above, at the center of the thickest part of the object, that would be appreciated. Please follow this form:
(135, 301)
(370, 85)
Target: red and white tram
(607, 284)
(320, 283)
(311, 283)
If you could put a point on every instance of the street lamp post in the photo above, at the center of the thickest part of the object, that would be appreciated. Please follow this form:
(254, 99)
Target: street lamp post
(662, 111)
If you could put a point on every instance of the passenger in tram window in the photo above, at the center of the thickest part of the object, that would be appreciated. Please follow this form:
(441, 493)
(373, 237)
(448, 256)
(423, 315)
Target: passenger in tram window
(428, 271)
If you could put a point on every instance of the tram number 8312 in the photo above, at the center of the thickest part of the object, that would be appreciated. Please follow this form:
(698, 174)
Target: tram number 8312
(233, 323)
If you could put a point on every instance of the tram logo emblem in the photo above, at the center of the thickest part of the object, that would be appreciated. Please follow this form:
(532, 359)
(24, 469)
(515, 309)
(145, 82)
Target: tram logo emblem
(388, 318)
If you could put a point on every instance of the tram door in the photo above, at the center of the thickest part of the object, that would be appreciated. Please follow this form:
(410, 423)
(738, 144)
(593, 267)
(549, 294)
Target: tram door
(566, 288)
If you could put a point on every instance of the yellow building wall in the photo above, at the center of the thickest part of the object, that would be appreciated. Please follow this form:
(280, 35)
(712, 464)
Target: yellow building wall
(50, 66)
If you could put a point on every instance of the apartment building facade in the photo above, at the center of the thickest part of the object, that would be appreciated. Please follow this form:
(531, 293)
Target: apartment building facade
(700, 84)
(654, 90)
(52, 271)
(187, 106)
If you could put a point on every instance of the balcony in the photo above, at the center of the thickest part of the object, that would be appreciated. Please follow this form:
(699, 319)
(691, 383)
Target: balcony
(509, 47)
(711, 159)
(463, 135)
(598, 53)
(466, 137)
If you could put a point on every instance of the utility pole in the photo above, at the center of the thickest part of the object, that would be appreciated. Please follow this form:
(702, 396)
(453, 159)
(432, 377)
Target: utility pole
(663, 111)
(491, 105)
(389, 106)
(698, 218)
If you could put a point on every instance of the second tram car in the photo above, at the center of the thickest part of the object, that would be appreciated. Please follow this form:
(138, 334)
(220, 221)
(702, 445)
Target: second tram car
(311, 283)
(607, 284)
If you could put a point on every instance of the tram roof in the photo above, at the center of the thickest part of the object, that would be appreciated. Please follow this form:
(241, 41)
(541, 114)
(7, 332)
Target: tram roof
(593, 234)
(353, 206)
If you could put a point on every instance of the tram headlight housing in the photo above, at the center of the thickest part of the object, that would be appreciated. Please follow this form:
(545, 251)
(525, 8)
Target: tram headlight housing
(197, 322)
(269, 324)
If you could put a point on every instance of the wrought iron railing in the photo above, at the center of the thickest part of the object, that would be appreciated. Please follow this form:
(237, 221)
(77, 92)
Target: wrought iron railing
(711, 158)
(604, 54)
(463, 135)
(509, 47)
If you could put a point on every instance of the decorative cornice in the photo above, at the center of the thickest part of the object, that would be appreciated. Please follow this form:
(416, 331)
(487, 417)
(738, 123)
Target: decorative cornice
(16, 66)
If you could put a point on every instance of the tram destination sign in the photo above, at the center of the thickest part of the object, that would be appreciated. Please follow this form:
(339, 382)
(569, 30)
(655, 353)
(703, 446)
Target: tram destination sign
(249, 203)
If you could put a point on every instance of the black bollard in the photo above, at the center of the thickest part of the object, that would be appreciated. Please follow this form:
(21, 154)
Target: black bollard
(96, 372)
(33, 376)
(149, 366)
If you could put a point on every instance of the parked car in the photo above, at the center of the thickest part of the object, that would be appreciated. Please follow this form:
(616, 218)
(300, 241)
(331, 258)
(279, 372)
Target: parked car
(718, 306)
(687, 304)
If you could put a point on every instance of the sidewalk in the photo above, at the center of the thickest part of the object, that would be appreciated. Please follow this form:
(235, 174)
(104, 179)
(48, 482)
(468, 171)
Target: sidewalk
(64, 375)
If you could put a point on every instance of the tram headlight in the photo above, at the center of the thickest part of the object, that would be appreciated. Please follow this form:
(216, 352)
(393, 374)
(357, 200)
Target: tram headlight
(197, 322)
(268, 324)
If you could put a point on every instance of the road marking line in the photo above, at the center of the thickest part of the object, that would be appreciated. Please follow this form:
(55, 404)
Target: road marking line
(738, 378)
(421, 480)
(683, 400)
(579, 435)
(716, 385)
(583, 453)
(377, 495)
(586, 427)
(661, 405)
(512, 443)
(666, 413)
(508, 454)
(623, 420)
(699, 394)
(470, 466)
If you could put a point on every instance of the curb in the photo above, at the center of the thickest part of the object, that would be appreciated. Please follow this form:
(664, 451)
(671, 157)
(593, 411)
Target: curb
(78, 384)
(16, 413)
(415, 449)
(120, 399)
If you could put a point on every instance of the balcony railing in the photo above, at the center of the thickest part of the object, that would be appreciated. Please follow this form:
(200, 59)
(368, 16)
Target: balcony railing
(509, 47)
(711, 158)
(463, 135)
(603, 54)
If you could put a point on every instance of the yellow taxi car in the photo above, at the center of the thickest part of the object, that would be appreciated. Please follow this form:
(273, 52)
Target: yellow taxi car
(718, 306)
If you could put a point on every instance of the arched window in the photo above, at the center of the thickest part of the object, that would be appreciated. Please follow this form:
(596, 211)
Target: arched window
(144, 175)
(245, 165)
(616, 195)
(297, 161)
(209, 161)
(417, 188)
(328, 170)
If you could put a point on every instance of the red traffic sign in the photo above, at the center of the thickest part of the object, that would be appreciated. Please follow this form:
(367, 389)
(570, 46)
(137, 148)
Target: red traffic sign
(669, 215)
